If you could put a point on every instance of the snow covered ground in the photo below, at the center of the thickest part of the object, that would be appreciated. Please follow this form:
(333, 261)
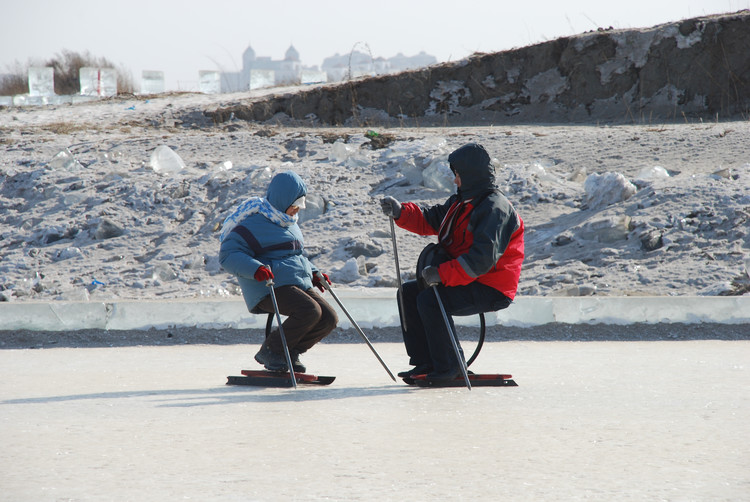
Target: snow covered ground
(92, 212)
(658, 420)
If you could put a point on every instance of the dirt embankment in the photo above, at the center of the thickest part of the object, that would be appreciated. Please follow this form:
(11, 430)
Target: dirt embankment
(691, 69)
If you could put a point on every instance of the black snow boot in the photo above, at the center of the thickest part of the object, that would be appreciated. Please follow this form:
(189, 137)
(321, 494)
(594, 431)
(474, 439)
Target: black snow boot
(271, 360)
(296, 363)
(445, 375)
(419, 369)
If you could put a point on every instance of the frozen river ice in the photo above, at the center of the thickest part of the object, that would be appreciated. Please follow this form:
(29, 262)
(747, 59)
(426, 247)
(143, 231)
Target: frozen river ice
(659, 420)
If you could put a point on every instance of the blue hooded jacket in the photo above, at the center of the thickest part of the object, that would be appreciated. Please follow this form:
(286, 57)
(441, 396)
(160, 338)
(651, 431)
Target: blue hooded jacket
(258, 241)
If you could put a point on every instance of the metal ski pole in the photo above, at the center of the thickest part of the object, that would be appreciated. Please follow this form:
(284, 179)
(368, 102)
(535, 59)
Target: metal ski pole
(453, 339)
(356, 326)
(269, 283)
(402, 313)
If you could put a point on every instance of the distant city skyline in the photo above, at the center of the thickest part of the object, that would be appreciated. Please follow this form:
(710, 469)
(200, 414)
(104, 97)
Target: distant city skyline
(182, 38)
(290, 70)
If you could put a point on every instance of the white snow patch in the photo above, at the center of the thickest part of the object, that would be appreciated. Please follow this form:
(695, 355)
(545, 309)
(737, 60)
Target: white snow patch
(549, 83)
(447, 95)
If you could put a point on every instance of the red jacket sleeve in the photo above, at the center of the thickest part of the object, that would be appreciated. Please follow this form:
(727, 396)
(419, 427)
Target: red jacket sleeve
(413, 220)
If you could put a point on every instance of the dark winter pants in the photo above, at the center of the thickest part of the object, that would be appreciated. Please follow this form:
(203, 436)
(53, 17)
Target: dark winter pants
(426, 336)
(309, 318)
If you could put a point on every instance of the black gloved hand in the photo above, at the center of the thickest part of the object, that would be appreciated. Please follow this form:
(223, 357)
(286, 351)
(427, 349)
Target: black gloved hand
(431, 276)
(391, 207)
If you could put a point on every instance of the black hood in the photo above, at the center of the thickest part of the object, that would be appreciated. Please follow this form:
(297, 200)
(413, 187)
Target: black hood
(472, 163)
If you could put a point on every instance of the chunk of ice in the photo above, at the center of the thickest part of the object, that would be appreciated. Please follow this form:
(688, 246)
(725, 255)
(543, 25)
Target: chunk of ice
(652, 173)
(260, 176)
(438, 176)
(608, 188)
(164, 160)
(64, 161)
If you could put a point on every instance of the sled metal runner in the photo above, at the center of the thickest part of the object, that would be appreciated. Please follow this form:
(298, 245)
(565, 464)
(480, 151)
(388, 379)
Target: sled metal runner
(476, 379)
(265, 378)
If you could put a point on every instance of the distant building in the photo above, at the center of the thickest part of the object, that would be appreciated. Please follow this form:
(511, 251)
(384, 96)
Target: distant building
(353, 65)
(286, 71)
(265, 72)
(399, 62)
(358, 64)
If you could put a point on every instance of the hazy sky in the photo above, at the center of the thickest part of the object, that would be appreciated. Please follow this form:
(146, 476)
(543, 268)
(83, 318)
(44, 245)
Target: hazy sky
(186, 36)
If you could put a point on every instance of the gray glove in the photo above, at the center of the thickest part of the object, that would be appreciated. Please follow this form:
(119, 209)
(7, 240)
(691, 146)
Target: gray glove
(431, 276)
(391, 207)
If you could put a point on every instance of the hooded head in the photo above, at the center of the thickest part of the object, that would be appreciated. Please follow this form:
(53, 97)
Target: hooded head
(284, 189)
(472, 163)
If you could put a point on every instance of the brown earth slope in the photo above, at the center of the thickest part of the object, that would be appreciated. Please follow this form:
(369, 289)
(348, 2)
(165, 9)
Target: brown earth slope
(695, 68)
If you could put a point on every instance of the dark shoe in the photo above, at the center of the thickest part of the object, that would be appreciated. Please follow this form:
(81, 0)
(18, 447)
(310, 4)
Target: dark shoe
(444, 376)
(271, 360)
(296, 363)
(419, 369)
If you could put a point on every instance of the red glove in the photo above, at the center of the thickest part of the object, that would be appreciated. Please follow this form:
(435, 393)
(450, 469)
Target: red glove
(318, 278)
(263, 274)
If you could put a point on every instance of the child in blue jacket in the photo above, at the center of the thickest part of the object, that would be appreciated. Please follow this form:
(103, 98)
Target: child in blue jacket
(260, 241)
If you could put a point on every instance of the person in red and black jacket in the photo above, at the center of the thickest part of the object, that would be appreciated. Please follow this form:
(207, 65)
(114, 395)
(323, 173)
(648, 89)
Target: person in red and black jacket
(480, 239)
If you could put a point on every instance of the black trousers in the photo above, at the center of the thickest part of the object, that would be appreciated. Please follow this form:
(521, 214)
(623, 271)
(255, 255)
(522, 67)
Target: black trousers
(426, 337)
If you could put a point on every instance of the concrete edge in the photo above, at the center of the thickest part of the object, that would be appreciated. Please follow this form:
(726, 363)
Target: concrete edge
(369, 308)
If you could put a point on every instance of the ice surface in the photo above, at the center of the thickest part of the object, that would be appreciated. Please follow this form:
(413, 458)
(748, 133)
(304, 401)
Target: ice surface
(624, 421)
